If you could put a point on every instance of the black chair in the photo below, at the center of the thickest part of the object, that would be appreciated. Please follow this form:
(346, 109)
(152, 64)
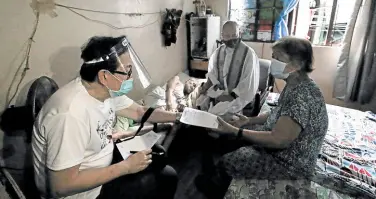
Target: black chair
(266, 83)
(40, 91)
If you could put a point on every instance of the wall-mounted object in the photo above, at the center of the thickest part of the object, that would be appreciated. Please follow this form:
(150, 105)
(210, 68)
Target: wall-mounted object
(170, 25)
(200, 7)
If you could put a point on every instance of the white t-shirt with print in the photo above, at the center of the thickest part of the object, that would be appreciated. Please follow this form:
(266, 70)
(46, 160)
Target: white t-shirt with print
(71, 129)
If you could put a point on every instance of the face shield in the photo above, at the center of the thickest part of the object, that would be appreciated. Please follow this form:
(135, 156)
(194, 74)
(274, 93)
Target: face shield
(127, 66)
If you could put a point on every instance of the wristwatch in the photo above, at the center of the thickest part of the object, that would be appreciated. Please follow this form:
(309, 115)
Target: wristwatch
(240, 134)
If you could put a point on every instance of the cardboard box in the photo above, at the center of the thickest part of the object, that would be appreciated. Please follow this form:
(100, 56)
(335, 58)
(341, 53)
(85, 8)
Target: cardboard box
(199, 65)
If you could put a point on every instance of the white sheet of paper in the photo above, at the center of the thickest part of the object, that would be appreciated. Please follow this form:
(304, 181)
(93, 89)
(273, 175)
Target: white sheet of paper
(199, 118)
(138, 143)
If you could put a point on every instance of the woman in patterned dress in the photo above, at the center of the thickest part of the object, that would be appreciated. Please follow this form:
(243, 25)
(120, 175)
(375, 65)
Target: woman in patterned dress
(284, 143)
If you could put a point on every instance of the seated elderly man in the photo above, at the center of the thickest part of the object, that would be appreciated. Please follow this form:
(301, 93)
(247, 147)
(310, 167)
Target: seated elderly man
(285, 143)
(233, 75)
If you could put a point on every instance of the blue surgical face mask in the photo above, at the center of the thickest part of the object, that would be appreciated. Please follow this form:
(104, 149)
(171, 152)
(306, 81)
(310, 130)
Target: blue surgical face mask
(125, 88)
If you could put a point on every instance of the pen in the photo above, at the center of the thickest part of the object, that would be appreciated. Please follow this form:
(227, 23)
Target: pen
(153, 153)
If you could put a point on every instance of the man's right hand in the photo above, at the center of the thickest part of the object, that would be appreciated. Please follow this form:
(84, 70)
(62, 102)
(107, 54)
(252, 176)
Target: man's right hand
(136, 162)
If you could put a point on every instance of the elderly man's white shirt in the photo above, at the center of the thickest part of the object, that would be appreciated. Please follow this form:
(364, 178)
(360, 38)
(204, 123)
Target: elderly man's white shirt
(247, 86)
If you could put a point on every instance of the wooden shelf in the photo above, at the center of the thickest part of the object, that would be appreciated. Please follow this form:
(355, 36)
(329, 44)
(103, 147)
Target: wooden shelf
(199, 65)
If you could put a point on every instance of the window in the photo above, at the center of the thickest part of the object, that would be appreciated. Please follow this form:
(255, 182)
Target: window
(328, 21)
(323, 22)
(256, 18)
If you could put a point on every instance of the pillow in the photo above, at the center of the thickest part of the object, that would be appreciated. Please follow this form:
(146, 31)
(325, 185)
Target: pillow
(183, 77)
(155, 98)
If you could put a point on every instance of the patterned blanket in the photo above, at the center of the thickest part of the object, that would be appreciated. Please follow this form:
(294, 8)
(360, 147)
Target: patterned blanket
(349, 150)
(346, 164)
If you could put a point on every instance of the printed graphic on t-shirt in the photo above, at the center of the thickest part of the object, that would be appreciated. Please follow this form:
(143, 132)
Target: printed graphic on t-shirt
(104, 129)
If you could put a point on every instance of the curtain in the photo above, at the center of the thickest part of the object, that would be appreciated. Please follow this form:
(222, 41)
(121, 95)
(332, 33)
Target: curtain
(355, 79)
(280, 27)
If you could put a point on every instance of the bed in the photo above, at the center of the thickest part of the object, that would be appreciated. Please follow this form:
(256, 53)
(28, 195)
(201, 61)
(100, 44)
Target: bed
(346, 165)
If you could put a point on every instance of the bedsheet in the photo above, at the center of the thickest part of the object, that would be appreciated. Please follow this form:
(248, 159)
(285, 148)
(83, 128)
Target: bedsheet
(348, 154)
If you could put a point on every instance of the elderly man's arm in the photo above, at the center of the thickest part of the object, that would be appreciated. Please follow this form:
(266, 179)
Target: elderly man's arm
(170, 87)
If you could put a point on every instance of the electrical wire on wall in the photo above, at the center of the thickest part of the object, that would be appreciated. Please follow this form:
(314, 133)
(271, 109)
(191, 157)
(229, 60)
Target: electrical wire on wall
(107, 12)
(26, 61)
(74, 10)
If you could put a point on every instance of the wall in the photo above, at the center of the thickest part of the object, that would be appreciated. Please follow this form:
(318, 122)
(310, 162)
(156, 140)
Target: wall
(56, 50)
(325, 59)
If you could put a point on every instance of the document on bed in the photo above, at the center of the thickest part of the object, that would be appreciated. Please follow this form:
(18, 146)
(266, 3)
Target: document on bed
(138, 143)
(199, 118)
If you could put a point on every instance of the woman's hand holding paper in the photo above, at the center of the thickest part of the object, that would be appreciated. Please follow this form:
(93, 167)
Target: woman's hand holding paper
(240, 120)
(225, 128)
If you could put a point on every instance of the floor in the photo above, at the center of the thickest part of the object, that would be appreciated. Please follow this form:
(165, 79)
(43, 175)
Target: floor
(16, 157)
(3, 191)
(186, 172)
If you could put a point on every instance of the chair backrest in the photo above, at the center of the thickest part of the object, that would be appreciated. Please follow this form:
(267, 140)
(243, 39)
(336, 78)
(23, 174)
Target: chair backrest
(265, 82)
(264, 74)
(39, 92)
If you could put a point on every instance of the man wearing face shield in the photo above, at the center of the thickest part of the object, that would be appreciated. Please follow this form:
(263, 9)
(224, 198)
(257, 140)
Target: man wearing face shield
(72, 145)
(233, 75)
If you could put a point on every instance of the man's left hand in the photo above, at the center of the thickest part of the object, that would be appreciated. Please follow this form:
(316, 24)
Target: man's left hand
(125, 134)
(121, 135)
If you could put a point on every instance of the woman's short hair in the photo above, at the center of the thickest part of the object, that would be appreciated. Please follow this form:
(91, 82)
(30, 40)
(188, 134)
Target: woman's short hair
(299, 51)
(95, 48)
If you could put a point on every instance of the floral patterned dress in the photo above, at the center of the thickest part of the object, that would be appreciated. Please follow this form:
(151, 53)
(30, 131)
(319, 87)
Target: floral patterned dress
(301, 100)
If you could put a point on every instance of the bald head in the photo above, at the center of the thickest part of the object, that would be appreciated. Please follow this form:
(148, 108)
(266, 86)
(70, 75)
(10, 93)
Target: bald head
(230, 34)
(230, 30)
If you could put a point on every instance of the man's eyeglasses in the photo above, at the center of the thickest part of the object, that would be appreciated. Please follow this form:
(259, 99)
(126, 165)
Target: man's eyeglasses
(128, 74)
